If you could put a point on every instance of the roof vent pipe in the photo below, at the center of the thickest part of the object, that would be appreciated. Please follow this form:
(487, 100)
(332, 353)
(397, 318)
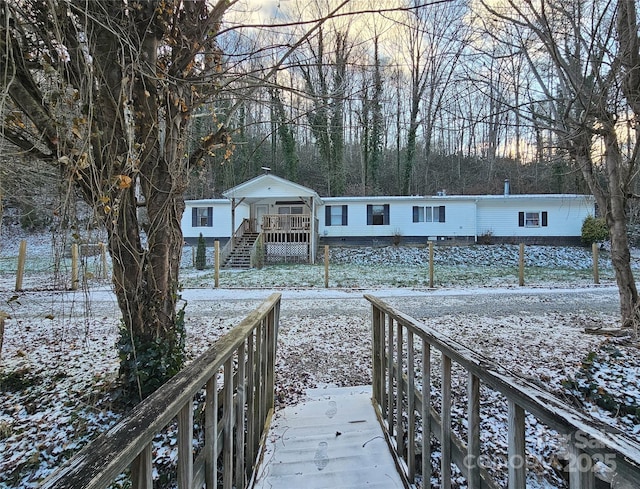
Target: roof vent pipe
(506, 187)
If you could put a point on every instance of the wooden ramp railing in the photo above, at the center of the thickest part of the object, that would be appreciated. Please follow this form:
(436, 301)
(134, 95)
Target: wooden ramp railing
(404, 354)
(236, 413)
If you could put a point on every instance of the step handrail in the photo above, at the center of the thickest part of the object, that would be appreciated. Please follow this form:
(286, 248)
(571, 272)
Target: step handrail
(245, 226)
(396, 339)
(256, 259)
(245, 399)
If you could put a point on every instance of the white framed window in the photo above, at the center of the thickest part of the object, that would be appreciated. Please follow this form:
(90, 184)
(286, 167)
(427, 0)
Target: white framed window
(378, 214)
(533, 219)
(290, 209)
(429, 213)
(202, 217)
(335, 215)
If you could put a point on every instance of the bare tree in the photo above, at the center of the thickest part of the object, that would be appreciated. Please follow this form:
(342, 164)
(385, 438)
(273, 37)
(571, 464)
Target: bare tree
(592, 48)
(104, 90)
(433, 40)
(325, 79)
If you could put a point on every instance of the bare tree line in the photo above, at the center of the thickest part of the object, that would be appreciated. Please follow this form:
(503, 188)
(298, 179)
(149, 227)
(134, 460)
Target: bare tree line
(406, 102)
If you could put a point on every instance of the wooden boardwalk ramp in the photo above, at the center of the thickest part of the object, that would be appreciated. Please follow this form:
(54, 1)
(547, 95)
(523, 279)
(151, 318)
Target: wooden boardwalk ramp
(332, 440)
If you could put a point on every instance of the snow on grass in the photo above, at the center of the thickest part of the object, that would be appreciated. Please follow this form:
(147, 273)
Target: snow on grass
(55, 373)
(59, 363)
(404, 266)
(543, 349)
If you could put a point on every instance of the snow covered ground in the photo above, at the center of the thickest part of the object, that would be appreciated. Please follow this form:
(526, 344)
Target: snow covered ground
(58, 361)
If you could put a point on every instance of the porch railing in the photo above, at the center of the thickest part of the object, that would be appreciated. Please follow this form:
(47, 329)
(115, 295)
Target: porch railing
(237, 412)
(286, 222)
(246, 226)
(404, 353)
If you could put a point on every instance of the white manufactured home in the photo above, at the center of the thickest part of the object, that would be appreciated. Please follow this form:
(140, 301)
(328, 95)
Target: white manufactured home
(283, 221)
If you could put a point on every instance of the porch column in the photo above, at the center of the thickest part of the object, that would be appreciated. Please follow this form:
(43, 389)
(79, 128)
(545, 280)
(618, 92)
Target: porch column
(233, 223)
(312, 238)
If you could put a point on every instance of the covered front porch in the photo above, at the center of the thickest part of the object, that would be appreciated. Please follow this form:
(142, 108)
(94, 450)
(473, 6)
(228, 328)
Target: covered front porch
(280, 224)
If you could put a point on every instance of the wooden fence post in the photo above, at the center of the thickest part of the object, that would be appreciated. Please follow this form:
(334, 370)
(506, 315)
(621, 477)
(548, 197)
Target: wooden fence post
(596, 272)
(326, 266)
(216, 257)
(431, 264)
(516, 456)
(74, 266)
(22, 257)
(3, 317)
(521, 265)
(103, 258)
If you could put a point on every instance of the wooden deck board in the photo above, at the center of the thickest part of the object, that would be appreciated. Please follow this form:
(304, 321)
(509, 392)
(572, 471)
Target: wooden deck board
(333, 440)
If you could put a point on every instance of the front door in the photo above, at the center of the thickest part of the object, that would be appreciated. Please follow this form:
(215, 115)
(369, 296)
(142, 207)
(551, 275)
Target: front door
(261, 210)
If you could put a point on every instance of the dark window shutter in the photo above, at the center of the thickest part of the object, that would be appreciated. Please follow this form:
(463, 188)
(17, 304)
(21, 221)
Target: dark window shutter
(369, 214)
(386, 214)
(194, 217)
(210, 216)
(521, 219)
(442, 216)
(544, 218)
(415, 213)
(344, 215)
(327, 215)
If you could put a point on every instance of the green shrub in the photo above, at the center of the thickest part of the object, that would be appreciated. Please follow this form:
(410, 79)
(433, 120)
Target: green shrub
(594, 230)
(201, 254)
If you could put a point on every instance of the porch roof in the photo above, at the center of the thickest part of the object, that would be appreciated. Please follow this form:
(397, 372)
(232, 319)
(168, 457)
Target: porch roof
(270, 187)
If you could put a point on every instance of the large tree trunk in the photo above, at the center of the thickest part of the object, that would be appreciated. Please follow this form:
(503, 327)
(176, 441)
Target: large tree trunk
(612, 201)
(146, 278)
(630, 62)
(146, 282)
(616, 217)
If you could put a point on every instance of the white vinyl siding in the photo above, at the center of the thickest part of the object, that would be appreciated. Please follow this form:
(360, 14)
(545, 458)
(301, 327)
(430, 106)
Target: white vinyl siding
(559, 215)
(220, 220)
(459, 220)
(466, 216)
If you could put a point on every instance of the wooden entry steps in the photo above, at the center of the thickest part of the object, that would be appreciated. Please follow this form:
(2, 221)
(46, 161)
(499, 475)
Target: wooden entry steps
(333, 440)
(240, 256)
